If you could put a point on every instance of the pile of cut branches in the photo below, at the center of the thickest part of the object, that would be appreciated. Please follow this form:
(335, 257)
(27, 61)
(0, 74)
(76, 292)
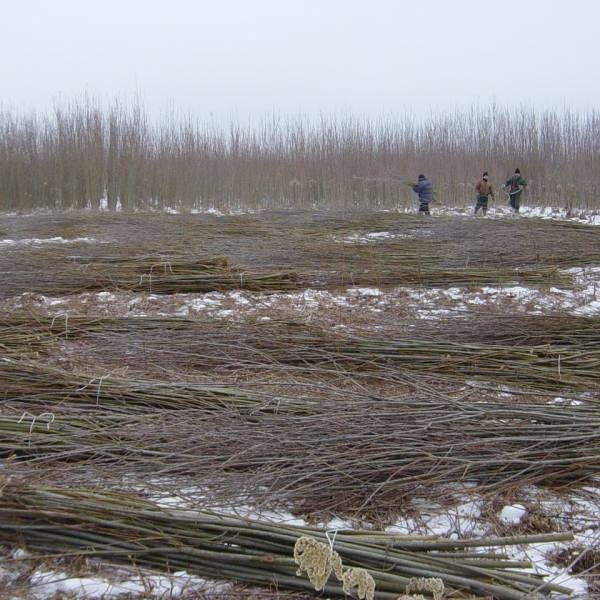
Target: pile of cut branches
(571, 362)
(343, 452)
(124, 529)
(198, 254)
(33, 383)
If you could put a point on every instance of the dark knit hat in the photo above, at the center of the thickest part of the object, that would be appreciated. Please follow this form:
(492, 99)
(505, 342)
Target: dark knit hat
(518, 171)
(421, 176)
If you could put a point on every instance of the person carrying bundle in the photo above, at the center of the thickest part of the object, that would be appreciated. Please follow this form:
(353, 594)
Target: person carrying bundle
(514, 188)
(484, 190)
(424, 189)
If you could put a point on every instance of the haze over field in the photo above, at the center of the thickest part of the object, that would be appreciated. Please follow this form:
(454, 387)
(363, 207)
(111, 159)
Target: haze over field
(250, 58)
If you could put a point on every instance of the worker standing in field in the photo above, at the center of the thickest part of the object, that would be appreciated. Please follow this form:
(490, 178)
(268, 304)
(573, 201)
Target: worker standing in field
(424, 189)
(514, 188)
(484, 190)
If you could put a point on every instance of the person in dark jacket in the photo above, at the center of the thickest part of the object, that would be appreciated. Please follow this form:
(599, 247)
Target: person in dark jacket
(424, 189)
(514, 188)
(484, 190)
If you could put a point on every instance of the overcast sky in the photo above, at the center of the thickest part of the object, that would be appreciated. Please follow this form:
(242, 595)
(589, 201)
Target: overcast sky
(251, 57)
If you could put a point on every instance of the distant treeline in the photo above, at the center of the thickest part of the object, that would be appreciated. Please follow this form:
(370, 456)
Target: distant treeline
(84, 156)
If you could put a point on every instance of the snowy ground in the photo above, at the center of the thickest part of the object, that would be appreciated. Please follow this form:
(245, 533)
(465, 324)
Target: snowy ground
(578, 511)
(109, 584)
(37, 242)
(496, 210)
(350, 307)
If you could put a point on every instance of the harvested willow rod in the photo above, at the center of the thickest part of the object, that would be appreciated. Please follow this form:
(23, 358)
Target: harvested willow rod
(574, 363)
(443, 252)
(154, 274)
(33, 382)
(124, 529)
(562, 330)
(346, 452)
(179, 274)
(525, 331)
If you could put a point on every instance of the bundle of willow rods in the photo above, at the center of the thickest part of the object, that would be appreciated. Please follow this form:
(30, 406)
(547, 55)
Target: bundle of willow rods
(502, 243)
(573, 363)
(51, 273)
(559, 329)
(182, 254)
(20, 342)
(180, 274)
(124, 529)
(54, 273)
(39, 332)
(476, 327)
(390, 269)
(32, 383)
(350, 453)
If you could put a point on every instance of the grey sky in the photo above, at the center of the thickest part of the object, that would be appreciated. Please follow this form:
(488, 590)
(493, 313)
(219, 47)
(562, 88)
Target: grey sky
(250, 57)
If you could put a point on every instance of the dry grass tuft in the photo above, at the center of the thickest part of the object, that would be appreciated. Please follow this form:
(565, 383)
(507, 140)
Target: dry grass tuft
(360, 579)
(318, 561)
(433, 585)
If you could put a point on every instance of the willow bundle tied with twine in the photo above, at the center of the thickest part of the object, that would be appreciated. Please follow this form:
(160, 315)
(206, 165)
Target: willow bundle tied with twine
(124, 529)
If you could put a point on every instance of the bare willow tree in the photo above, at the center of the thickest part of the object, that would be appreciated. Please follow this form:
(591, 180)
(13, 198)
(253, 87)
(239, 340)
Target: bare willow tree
(82, 155)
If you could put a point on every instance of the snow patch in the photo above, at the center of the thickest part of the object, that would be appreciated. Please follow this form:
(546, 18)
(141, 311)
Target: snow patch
(105, 296)
(585, 217)
(513, 513)
(47, 241)
(48, 584)
(365, 238)
(365, 292)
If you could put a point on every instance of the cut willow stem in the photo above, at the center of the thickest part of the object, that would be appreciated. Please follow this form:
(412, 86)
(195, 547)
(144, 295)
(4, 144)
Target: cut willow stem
(124, 529)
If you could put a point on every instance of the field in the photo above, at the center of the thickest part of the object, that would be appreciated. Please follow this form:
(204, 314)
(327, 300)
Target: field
(183, 396)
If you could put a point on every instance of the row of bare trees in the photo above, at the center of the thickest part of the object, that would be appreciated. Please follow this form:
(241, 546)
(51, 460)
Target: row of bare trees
(82, 155)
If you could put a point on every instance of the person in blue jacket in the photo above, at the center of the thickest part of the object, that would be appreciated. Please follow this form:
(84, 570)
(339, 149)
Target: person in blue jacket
(424, 189)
